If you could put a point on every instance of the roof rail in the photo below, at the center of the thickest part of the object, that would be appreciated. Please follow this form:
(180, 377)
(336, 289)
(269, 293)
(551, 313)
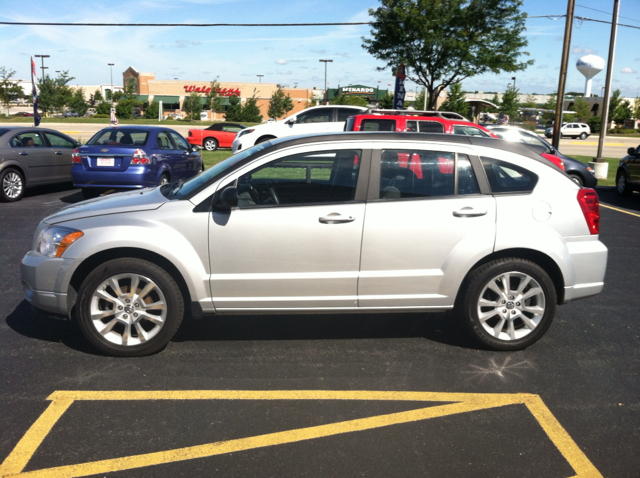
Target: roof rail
(440, 114)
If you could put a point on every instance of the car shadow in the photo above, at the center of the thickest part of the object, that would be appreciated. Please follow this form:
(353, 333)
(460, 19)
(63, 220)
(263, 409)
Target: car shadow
(609, 196)
(437, 327)
(49, 189)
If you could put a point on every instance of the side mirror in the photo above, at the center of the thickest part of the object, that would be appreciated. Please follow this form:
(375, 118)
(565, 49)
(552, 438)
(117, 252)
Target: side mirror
(227, 200)
(77, 144)
(632, 151)
(290, 121)
(194, 149)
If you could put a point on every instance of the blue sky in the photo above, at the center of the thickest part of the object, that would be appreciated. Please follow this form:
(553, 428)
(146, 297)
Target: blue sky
(284, 55)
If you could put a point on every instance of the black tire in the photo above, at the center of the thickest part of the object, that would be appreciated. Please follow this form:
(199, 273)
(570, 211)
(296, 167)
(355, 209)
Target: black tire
(504, 314)
(11, 185)
(583, 136)
(622, 185)
(164, 179)
(210, 144)
(90, 193)
(576, 178)
(126, 304)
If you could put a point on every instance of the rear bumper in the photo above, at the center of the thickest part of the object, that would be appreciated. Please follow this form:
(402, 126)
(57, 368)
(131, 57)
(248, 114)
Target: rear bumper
(133, 177)
(589, 257)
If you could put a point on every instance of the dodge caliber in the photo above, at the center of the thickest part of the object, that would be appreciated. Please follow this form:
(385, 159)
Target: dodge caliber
(340, 223)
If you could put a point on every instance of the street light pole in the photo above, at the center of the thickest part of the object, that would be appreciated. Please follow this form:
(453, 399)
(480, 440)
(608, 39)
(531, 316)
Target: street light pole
(325, 78)
(111, 70)
(42, 57)
(514, 82)
(260, 78)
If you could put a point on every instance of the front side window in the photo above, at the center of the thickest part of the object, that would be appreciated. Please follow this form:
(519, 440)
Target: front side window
(120, 137)
(508, 178)
(306, 178)
(420, 174)
(28, 140)
(320, 115)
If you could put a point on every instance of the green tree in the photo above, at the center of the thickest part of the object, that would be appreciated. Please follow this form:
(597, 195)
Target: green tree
(312, 101)
(234, 111)
(510, 102)
(418, 103)
(530, 102)
(193, 105)
(551, 104)
(386, 102)
(456, 101)
(77, 104)
(279, 105)
(636, 108)
(250, 111)
(103, 108)
(496, 100)
(124, 109)
(152, 111)
(55, 93)
(97, 96)
(350, 100)
(614, 103)
(9, 90)
(442, 42)
(130, 91)
(582, 109)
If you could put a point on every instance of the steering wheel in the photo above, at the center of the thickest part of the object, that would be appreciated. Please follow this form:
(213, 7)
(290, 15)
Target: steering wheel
(253, 192)
(272, 192)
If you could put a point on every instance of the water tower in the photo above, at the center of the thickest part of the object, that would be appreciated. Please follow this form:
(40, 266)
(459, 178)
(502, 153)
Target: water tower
(589, 66)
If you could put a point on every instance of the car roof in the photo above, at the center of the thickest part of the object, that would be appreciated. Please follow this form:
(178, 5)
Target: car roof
(143, 127)
(438, 119)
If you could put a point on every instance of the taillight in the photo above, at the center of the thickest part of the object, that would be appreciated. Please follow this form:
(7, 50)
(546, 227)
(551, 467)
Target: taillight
(139, 157)
(590, 205)
(75, 157)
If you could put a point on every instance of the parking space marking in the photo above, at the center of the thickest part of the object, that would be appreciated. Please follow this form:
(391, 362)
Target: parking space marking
(596, 144)
(462, 403)
(620, 210)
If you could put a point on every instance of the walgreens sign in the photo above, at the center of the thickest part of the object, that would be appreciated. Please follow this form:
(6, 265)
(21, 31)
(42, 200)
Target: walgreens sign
(206, 89)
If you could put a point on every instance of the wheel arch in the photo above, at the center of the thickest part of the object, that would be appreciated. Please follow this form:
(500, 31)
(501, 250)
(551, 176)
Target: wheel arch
(14, 165)
(265, 137)
(91, 262)
(537, 257)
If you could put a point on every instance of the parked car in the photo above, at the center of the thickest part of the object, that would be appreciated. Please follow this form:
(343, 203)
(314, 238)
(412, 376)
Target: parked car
(484, 228)
(176, 116)
(317, 119)
(411, 121)
(581, 174)
(70, 114)
(628, 174)
(218, 135)
(32, 157)
(22, 113)
(133, 157)
(573, 130)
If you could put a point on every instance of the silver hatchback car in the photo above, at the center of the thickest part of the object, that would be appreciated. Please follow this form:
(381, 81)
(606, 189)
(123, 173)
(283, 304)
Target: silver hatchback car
(341, 223)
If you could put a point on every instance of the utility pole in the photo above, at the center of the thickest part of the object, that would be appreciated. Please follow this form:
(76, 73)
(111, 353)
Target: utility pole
(326, 93)
(111, 68)
(557, 125)
(42, 57)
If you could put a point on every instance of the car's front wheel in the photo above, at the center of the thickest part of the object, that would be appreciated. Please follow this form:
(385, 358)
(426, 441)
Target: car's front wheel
(129, 307)
(210, 144)
(508, 304)
(622, 185)
(583, 136)
(11, 185)
(576, 178)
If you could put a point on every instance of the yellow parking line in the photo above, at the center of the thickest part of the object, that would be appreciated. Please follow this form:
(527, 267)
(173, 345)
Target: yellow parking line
(70, 132)
(620, 210)
(463, 402)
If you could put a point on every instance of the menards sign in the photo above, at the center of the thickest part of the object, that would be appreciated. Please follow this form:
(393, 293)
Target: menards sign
(207, 89)
(357, 90)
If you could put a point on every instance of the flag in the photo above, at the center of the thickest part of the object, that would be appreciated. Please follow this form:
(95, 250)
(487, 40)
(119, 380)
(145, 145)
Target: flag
(114, 120)
(34, 93)
(398, 95)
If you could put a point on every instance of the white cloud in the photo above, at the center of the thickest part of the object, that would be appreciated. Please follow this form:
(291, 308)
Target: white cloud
(282, 62)
(626, 69)
(583, 51)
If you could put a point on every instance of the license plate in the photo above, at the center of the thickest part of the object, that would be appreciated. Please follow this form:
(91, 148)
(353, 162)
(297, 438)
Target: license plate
(106, 162)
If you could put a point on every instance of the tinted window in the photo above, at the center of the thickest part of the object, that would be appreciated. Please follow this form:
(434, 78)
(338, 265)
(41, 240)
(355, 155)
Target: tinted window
(121, 137)
(28, 140)
(320, 115)
(430, 127)
(163, 140)
(58, 141)
(344, 113)
(507, 178)
(414, 174)
(179, 141)
(378, 125)
(306, 178)
(469, 131)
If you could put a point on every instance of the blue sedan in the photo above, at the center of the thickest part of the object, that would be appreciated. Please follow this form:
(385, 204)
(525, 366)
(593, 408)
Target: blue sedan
(130, 157)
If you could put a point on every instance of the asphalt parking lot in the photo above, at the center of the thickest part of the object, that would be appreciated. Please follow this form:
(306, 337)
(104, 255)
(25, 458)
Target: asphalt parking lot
(374, 395)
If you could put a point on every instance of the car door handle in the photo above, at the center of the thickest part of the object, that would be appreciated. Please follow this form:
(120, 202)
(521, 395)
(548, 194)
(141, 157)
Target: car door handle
(59, 153)
(469, 212)
(336, 218)
(22, 153)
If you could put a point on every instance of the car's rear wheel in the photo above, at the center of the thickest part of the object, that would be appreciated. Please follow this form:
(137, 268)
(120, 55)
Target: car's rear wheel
(583, 136)
(508, 304)
(210, 144)
(622, 185)
(576, 178)
(11, 185)
(129, 307)
(164, 179)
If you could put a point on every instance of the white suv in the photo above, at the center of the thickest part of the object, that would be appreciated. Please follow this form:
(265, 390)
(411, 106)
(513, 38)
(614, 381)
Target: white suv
(574, 130)
(317, 119)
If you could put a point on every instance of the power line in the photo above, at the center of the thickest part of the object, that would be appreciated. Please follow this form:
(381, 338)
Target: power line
(185, 24)
(583, 19)
(606, 13)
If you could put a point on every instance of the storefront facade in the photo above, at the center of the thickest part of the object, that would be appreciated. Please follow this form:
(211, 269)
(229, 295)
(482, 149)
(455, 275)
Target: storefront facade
(172, 93)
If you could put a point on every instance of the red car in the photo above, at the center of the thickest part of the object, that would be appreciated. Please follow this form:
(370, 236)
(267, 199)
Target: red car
(22, 113)
(415, 121)
(218, 135)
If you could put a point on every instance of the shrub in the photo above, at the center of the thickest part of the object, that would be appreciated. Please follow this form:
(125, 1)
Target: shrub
(595, 124)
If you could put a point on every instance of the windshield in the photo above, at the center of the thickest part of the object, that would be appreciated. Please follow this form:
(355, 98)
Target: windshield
(120, 137)
(181, 190)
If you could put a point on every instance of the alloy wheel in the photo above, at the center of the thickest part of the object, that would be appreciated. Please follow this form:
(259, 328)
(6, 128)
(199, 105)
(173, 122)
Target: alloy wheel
(12, 185)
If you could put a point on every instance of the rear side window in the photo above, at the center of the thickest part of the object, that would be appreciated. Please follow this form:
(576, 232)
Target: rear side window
(469, 131)
(508, 178)
(120, 137)
(58, 141)
(378, 125)
(424, 126)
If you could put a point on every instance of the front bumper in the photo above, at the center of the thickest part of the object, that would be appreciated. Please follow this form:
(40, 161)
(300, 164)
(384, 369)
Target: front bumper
(45, 282)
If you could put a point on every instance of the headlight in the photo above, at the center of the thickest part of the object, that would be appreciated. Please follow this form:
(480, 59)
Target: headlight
(54, 240)
(245, 131)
